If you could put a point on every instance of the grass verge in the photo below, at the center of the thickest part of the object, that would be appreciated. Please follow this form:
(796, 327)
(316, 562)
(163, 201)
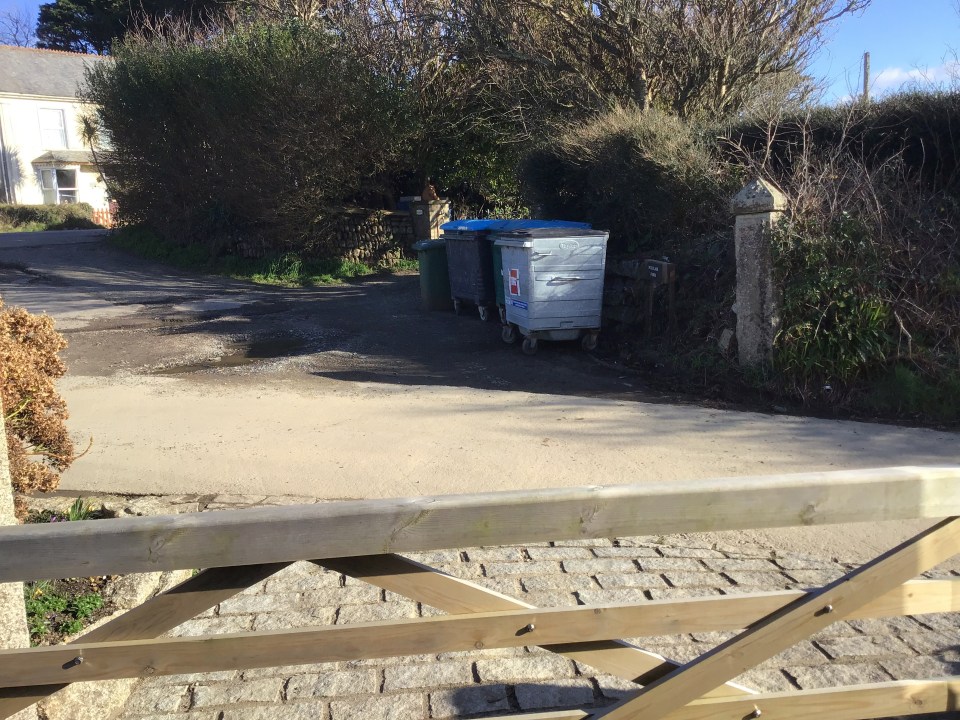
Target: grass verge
(287, 270)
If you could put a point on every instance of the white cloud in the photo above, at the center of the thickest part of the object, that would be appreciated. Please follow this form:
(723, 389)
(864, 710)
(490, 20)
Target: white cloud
(894, 78)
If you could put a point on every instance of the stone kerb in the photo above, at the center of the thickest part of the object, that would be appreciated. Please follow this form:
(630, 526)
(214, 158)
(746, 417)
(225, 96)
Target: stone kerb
(757, 207)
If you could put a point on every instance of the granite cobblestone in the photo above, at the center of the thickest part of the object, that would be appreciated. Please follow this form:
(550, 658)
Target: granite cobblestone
(514, 680)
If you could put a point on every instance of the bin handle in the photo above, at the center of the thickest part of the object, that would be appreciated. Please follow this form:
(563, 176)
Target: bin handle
(536, 255)
(566, 278)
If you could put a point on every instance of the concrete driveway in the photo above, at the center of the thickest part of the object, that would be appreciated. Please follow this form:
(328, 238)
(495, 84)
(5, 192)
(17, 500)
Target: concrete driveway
(189, 383)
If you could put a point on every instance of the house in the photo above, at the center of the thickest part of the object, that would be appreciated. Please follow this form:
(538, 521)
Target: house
(43, 158)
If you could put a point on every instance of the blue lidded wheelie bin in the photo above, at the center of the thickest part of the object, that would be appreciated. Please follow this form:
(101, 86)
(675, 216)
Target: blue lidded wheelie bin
(473, 262)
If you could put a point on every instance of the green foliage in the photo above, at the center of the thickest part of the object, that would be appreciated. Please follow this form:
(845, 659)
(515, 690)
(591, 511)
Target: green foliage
(148, 244)
(920, 129)
(42, 602)
(94, 25)
(641, 175)
(84, 606)
(904, 390)
(288, 270)
(79, 510)
(61, 607)
(31, 218)
(834, 321)
(258, 133)
(54, 609)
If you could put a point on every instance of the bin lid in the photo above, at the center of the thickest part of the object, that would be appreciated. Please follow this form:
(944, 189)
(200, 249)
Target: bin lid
(508, 225)
(526, 237)
(429, 244)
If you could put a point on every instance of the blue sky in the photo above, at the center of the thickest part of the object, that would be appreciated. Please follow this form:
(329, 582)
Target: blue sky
(908, 40)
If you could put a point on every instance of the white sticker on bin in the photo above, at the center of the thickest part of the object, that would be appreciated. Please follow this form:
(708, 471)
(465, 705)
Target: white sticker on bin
(514, 281)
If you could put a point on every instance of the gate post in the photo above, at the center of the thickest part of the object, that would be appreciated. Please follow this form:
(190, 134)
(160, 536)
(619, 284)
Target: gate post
(757, 207)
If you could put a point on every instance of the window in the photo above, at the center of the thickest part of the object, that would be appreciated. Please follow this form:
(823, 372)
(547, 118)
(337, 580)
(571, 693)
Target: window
(53, 130)
(59, 186)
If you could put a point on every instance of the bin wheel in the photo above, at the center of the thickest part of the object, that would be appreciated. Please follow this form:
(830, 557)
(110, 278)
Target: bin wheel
(485, 313)
(457, 307)
(508, 334)
(529, 346)
(589, 342)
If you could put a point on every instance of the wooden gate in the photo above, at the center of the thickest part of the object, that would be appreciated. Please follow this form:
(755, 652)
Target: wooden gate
(360, 538)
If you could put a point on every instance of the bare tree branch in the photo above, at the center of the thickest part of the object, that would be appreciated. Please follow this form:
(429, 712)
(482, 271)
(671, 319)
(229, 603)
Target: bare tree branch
(18, 28)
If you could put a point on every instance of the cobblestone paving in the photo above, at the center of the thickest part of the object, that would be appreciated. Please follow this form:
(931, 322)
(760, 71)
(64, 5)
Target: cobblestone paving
(478, 683)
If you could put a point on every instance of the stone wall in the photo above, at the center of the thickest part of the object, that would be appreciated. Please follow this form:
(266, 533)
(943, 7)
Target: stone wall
(373, 237)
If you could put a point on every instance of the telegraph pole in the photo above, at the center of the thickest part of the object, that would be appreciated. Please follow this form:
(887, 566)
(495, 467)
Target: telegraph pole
(866, 77)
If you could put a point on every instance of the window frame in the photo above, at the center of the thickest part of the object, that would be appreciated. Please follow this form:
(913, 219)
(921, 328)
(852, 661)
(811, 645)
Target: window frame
(53, 192)
(45, 112)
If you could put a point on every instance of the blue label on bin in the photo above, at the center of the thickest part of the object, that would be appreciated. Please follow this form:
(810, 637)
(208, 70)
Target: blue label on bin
(519, 304)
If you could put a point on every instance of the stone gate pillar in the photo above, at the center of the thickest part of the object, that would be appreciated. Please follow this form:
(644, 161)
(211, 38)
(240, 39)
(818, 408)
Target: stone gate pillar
(757, 207)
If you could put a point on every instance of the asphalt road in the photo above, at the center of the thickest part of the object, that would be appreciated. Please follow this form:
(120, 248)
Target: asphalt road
(188, 383)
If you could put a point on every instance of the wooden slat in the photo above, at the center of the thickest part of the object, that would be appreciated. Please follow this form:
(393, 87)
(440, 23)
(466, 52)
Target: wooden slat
(260, 535)
(153, 618)
(651, 617)
(423, 583)
(917, 597)
(659, 617)
(553, 626)
(455, 595)
(785, 627)
(857, 702)
(448, 633)
(451, 633)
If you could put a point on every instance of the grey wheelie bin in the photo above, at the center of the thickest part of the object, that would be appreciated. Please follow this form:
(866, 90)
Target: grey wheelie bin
(474, 265)
(470, 267)
(553, 284)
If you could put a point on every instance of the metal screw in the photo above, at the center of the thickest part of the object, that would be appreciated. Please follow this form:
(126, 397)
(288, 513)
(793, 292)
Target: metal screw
(478, 645)
(530, 628)
(149, 670)
(825, 610)
(756, 712)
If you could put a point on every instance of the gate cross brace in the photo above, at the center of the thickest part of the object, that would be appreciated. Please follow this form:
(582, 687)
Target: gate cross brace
(153, 618)
(454, 595)
(793, 622)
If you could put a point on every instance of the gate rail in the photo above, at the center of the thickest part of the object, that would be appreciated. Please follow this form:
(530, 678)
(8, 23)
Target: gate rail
(360, 539)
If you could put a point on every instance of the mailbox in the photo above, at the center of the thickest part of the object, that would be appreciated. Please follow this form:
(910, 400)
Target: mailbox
(659, 272)
(655, 273)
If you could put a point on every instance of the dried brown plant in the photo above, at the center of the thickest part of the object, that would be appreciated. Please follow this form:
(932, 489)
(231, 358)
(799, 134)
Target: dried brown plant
(38, 443)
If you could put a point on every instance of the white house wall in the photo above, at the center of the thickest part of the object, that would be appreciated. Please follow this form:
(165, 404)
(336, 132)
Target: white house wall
(22, 143)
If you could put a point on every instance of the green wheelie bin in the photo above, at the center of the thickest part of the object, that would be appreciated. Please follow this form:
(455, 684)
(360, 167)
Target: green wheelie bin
(434, 276)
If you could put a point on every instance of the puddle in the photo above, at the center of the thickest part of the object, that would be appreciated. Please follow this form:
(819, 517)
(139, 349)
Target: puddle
(209, 305)
(252, 353)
